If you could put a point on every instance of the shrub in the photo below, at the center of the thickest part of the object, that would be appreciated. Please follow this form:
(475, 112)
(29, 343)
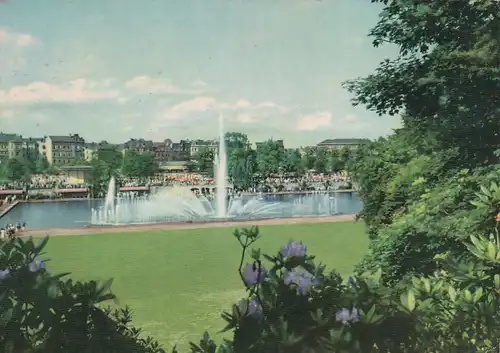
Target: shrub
(41, 312)
(295, 305)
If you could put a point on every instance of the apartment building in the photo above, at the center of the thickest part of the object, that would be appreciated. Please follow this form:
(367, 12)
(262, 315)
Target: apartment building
(137, 145)
(4, 144)
(61, 150)
(13, 145)
(181, 151)
(164, 151)
(336, 144)
(199, 145)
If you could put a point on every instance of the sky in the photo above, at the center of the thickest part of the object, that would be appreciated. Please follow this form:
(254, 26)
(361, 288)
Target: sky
(157, 69)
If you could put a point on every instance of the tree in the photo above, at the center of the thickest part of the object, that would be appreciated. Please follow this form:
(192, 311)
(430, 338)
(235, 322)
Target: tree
(14, 169)
(417, 185)
(41, 164)
(321, 160)
(236, 140)
(110, 155)
(204, 161)
(99, 177)
(445, 80)
(270, 156)
(292, 162)
(242, 167)
(139, 165)
(309, 158)
(334, 163)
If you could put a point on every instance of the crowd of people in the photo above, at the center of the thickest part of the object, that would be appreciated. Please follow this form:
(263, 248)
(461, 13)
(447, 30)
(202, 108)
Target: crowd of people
(273, 183)
(11, 230)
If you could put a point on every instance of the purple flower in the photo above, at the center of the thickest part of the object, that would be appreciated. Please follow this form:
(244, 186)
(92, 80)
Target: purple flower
(36, 265)
(302, 279)
(253, 274)
(293, 249)
(345, 316)
(4, 274)
(251, 307)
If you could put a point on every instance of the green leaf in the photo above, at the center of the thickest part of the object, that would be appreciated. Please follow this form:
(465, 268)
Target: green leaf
(370, 315)
(468, 296)
(485, 191)
(478, 294)
(492, 252)
(427, 285)
(497, 281)
(105, 287)
(408, 300)
(477, 243)
(453, 293)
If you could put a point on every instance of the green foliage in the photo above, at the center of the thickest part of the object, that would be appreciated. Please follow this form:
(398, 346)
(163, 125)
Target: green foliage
(270, 155)
(41, 312)
(445, 79)
(203, 161)
(110, 155)
(139, 165)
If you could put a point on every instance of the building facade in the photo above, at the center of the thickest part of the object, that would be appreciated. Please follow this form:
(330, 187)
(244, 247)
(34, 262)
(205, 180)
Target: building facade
(200, 145)
(12, 146)
(61, 150)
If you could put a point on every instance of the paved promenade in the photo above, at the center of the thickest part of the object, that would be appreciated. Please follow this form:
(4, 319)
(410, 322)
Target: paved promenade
(183, 225)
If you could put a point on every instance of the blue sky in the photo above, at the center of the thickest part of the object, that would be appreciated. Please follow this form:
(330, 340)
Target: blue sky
(115, 69)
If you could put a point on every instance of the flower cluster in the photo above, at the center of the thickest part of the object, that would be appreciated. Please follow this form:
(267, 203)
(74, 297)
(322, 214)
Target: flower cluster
(254, 274)
(346, 316)
(293, 249)
(34, 266)
(302, 279)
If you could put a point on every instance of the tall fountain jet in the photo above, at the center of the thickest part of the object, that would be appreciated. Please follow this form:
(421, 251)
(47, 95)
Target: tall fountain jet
(221, 174)
(109, 202)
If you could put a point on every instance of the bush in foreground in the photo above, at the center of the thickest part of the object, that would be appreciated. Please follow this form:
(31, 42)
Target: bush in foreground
(41, 312)
(294, 305)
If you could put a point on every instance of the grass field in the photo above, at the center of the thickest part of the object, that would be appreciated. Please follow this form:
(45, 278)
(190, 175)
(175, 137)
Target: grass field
(178, 281)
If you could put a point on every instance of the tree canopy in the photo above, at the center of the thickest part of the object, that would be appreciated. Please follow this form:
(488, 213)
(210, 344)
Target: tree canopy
(417, 184)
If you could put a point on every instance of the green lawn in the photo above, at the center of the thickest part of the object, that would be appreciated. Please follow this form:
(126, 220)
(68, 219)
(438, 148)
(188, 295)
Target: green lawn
(178, 281)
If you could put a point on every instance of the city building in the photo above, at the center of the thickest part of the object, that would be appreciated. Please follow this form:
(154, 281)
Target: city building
(181, 151)
(26, 147)
(61, 150)
(137, 145)
(90, 151)
(199, 145)
(336, 144)
(4, 144)
(13, 145)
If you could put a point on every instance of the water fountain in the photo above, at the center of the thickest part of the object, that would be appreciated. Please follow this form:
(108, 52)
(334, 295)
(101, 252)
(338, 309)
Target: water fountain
(180, 204)
(221, 174)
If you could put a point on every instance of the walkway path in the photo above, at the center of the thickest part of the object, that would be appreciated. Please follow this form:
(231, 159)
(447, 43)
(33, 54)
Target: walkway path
(184, 225)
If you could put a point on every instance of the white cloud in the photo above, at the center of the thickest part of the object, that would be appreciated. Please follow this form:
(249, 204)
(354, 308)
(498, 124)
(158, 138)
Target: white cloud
(195, 112)
(79, 90)
(13, 39)
(149, 85)
(12, 48)
(313, 122)
(246, 119)
(205, 104)
(325, 119)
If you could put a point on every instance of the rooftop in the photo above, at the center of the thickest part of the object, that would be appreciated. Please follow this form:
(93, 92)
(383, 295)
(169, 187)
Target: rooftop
(68, 138)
